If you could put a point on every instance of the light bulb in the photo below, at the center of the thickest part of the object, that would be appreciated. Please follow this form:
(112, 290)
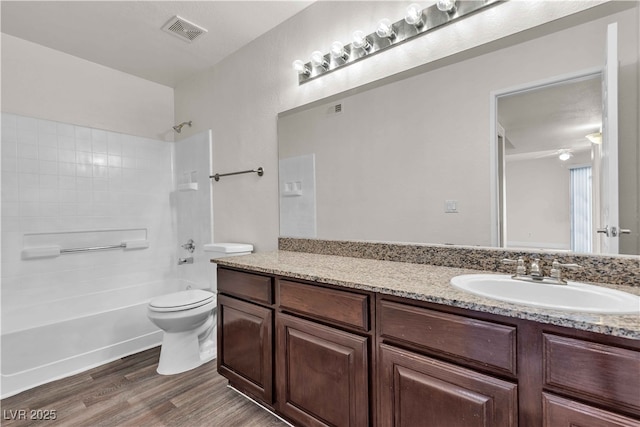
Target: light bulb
(385, 29)
(413, 15)
(565, 155)
(360, 40)
(301, 68)
(446, 5)
(317, 60)
(338, 51)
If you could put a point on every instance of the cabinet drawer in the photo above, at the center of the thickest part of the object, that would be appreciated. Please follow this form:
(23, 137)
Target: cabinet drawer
(335, 306)
(598, 372)
(245, 285)
(485, 343)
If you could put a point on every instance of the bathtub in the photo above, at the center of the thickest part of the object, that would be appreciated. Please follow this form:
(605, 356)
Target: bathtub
(42, 343)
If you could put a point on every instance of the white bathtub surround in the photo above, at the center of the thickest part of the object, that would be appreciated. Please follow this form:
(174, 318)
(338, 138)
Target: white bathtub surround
(191, 199)
(68, 186)
(53, 340)
(59, 178)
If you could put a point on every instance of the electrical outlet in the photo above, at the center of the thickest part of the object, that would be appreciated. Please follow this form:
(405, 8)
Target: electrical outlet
(292, 189)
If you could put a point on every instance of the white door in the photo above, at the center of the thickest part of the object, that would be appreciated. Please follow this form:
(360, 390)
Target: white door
(608, 227)
(502, 190)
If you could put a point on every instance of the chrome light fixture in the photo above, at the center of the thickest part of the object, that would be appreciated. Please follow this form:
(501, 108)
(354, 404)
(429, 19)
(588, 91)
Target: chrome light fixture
(416, 22)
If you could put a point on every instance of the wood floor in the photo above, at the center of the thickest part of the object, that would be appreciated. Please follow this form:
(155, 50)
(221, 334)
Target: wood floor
(129, 392)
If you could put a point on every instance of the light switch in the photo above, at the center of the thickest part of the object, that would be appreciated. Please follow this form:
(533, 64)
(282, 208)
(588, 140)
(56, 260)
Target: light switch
(451, 206)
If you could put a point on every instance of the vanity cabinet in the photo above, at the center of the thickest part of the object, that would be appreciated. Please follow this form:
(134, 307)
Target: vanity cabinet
(245, 332)
(457, 367)
(323, 355)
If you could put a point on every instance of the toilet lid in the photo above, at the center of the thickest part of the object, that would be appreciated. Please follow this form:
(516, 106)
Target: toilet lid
(182, 300)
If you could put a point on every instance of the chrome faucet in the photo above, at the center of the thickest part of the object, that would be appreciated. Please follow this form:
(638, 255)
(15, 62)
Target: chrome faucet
(535, 271)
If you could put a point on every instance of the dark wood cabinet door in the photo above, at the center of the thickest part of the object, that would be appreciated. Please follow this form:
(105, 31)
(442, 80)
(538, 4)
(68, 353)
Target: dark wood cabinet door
(416, 390)
(245, 346)
(323, 374)
(560, 412)
(600, 373)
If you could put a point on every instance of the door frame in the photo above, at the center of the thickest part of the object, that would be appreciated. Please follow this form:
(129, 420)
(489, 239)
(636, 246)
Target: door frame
(496, 220)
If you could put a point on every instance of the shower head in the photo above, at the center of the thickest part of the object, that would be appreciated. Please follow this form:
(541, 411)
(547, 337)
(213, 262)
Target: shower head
(178, 128)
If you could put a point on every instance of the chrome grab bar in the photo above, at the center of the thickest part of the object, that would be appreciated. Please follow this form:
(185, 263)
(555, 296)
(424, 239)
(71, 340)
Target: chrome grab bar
(217, 176)
(94, 248)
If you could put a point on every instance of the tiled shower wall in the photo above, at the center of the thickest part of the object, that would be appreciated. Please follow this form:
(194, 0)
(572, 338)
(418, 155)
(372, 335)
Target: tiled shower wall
(192, 165)
(57, 177)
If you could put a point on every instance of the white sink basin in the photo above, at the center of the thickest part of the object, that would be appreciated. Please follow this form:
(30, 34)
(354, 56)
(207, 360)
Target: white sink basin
(576, 297)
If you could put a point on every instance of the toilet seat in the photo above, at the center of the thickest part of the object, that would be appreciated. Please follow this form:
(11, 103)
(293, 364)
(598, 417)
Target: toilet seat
(183, 300)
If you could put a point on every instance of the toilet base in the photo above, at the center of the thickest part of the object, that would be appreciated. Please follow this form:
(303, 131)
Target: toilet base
(181, 352)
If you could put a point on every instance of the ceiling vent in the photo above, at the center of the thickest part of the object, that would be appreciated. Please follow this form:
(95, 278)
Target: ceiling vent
(180, 27)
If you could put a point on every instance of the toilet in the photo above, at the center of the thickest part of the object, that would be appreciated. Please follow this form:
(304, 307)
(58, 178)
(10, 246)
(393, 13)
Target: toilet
(188, 318)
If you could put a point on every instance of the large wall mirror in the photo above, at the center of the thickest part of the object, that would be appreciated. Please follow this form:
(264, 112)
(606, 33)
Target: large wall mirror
(549, 140)
(415, 160)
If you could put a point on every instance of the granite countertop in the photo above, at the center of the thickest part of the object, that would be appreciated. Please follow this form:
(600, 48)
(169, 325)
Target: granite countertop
(425, 283)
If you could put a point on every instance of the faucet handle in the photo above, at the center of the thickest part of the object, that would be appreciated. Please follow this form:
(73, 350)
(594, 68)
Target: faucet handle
(556, 270)
(536, 267)
(190, 246)
(521, 269)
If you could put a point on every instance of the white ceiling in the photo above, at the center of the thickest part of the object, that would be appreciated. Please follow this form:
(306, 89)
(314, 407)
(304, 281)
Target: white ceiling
(128, 36)
(540, 122)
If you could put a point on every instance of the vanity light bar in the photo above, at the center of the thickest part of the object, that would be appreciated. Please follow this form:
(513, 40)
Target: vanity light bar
(387, 35)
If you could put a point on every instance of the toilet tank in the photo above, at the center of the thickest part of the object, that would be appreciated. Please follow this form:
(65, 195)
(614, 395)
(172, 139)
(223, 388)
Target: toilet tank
(222, 250)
